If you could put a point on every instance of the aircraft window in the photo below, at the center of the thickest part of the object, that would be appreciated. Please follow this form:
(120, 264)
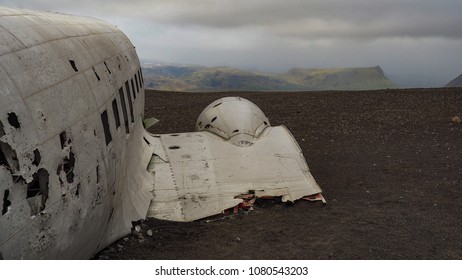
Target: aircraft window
(37, 157)
(142, 78)
(174, 147)
(96, 74)
(133, 88)
(115, 109)
(2, 131)
(73, 65)
(107, 68)
(130, 104)
(124, 109)
(3, 160)
(107, 131)
(97, 174)
(137, 84)
(77, 190)
(118, 60)
(63, 139)
(139, 78)
(137, 81)
(6, 202)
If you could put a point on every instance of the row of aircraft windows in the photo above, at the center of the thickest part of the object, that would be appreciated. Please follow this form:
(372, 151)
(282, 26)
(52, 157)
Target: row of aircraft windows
(132, 87)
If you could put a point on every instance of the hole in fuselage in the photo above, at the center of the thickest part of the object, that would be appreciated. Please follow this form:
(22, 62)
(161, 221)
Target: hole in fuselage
(73, 65)
(8, 158)
(63, 139)
(68, 167)
(37, 157)
(77, 190)
(214, 119)
(37, 192)
(174, 147)
(6, 202)
(13, 120)
(2, 131)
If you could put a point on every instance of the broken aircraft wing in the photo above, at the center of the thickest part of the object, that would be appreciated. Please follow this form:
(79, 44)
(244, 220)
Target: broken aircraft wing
(234, 153)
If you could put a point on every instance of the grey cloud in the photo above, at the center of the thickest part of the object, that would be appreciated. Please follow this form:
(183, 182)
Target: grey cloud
(355, 18)
(333, 18)
(408, 38)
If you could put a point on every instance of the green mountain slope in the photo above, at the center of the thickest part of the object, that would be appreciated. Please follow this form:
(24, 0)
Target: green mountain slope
(198, 78)
(340, 78)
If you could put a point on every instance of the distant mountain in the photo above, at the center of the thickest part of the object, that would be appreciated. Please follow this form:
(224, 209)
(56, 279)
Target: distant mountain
(199, 78)
(457, 82)
(340, 78)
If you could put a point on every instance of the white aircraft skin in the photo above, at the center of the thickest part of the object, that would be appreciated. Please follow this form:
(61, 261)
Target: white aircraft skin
(65, 185)
(77, 166)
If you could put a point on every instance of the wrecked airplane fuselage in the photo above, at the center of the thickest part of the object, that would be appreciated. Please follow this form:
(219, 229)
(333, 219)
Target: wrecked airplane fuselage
(76, 164)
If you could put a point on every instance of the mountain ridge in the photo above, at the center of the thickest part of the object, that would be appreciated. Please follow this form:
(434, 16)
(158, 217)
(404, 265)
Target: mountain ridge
(456, 82)
(221, 78)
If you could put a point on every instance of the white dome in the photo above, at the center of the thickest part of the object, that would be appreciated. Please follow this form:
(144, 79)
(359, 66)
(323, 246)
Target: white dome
(233, 118)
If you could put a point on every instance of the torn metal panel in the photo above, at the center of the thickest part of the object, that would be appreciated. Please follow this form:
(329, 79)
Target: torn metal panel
(200, 174)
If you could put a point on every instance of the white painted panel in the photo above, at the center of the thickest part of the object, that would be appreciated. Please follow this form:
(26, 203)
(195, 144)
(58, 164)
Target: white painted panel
(72, 96)
(207, 173)
(37, 32)
(8, 91)
(8, 43)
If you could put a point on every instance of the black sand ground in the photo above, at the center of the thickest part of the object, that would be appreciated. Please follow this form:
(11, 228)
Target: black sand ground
(389, 163)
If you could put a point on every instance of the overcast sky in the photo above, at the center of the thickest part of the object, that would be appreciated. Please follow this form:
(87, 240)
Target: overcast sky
(416, 42)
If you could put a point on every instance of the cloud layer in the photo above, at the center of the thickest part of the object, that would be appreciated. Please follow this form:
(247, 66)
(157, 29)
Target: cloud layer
(416, 41)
